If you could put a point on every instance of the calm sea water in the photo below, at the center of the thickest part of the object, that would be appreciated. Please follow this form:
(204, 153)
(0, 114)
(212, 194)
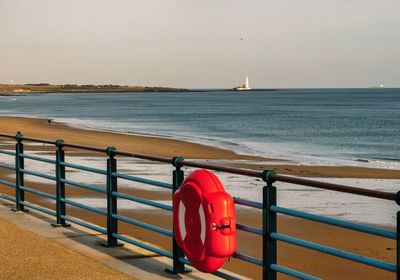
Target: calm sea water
(305, 125)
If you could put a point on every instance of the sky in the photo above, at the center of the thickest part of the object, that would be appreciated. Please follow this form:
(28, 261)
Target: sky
(201, 44)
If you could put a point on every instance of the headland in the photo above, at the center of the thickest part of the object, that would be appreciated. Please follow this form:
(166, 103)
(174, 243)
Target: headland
(8, 89)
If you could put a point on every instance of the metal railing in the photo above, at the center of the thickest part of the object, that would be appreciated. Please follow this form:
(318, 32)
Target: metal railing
(269, 207)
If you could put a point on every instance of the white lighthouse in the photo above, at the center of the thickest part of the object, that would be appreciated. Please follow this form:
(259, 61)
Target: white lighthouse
(245, 86)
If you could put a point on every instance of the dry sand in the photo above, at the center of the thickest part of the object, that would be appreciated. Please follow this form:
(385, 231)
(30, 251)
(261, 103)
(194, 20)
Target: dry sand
(327, 267)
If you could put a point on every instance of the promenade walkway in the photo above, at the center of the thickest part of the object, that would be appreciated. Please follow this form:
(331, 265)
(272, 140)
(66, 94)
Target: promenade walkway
(30, 248)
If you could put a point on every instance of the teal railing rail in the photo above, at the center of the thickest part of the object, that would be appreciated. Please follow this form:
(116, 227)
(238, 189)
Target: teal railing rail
(268, 206)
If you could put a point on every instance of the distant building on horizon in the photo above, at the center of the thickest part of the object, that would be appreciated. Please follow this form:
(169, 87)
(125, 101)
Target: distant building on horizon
(380, 86)
(245, 86)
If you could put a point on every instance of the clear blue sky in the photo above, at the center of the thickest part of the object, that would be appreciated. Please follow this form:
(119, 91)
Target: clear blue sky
(201, 44)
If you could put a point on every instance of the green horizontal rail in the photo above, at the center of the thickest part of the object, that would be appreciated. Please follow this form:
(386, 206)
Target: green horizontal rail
(335, 222)
(142, 180)
(144, 246)
(86, 225)
(38, 158)
(142, 201)
(335, 252)
(7, 197)
(84, 168)
(37, 174)
(38, 208)
(248, 203)
(38, 192)
(79, 205)
(84, 186)
(247, 258)
(7, 153)
(293, 273)
(143, 225)
(7, 183)
(249, 229)
(7, 166)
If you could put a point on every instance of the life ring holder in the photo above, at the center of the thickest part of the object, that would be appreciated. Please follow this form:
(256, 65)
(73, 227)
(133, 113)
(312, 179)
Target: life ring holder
(204, 221)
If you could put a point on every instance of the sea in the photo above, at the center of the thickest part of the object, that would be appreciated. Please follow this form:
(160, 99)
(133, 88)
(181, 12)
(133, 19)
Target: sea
(304, 125)
(352, 127)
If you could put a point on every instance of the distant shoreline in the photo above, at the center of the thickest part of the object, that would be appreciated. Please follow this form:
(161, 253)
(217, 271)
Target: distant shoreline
(231, 89)
(7, 89)
(11, 90)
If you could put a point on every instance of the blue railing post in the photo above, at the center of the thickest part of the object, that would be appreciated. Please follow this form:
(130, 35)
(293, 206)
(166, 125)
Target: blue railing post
(112, 223)
(397, 199)
(398, 245)
(269, 226)
(19, 179)
(177, 252)
(60, 191)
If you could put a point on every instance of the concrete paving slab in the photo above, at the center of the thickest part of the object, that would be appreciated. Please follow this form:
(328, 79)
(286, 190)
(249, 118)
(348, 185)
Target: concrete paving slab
(129, 259)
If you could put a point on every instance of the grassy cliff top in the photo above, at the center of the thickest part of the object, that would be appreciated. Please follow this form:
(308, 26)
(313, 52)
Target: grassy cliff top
(48, 88)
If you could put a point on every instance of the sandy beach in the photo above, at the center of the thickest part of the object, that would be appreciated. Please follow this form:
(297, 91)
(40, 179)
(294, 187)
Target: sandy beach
(166, 147)
(304, 260)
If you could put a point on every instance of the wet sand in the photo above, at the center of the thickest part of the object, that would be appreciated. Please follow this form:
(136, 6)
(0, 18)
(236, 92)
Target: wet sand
(167, 147)
(317, 264)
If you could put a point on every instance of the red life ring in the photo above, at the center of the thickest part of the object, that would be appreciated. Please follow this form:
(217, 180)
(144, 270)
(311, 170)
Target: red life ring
(204, 221)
